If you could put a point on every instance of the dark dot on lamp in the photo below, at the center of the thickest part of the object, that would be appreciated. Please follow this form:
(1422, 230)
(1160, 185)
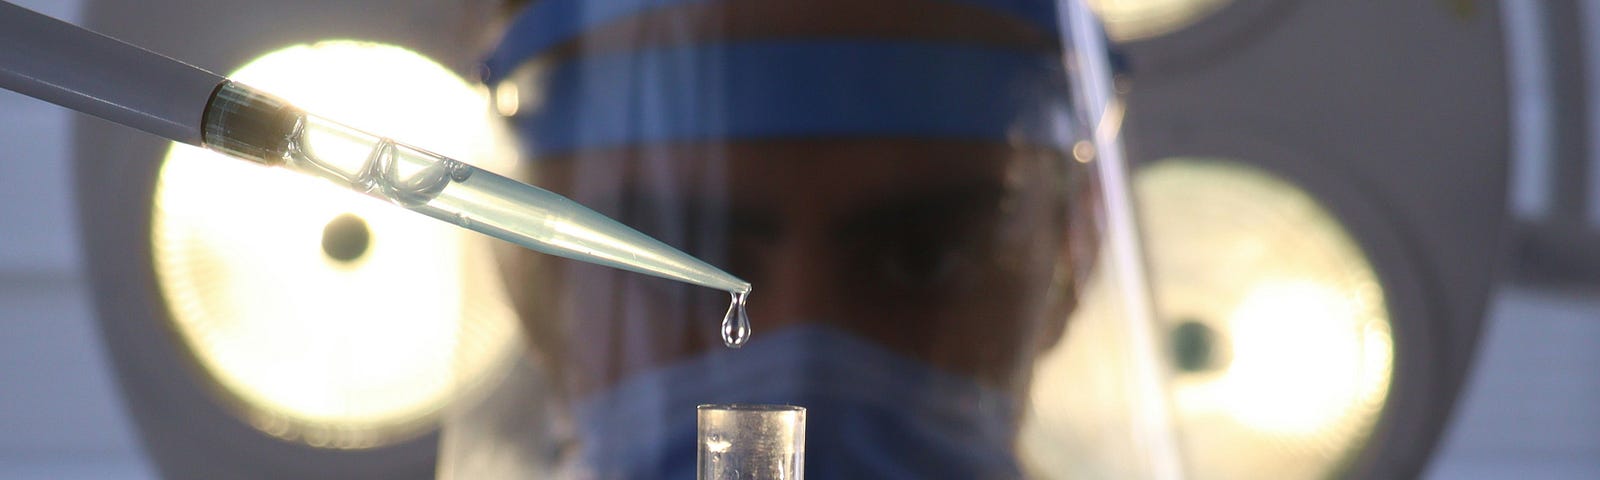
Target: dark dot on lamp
(346, 238)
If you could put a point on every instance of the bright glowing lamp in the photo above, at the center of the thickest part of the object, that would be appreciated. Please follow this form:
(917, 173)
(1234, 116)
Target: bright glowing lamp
(1279, 337)
(324, 316)
(1296, 359)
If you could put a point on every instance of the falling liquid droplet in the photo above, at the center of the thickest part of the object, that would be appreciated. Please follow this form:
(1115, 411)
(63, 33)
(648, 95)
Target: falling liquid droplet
(736, 324)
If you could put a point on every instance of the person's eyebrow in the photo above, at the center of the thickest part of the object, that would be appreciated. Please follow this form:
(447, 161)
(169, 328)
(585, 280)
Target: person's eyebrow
(956, 202)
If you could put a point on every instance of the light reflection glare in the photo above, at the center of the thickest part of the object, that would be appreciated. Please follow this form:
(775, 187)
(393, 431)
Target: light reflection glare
(334, 354)
(1299, 358)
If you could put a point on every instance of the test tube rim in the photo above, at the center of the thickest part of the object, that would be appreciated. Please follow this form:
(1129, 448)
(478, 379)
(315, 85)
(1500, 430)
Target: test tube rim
(751, 407)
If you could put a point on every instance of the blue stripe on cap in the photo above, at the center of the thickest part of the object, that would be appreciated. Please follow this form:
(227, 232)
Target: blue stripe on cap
(550, 22)
(754, 90)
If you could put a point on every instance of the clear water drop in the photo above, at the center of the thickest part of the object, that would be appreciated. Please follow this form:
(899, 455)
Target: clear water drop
(736, 323)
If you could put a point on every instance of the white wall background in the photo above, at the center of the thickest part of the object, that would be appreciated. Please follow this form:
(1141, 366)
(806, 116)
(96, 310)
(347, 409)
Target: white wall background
(1532, 409)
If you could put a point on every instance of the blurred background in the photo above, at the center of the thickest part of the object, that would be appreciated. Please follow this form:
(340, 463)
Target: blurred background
(1527, 408)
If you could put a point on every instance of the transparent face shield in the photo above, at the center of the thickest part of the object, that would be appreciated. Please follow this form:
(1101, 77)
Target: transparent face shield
(928, 198)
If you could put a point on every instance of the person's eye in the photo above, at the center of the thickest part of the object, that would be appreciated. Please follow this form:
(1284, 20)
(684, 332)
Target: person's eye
(925, 246)
(920, 262)
(921, 253)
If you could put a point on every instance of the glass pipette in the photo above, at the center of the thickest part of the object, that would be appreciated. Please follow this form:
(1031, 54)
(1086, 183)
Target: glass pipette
(63, 64)
(250, 124)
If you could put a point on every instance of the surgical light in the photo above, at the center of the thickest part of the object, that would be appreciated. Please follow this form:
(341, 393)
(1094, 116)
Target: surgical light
(1301, 354)
(1279, 347)
(325, 316)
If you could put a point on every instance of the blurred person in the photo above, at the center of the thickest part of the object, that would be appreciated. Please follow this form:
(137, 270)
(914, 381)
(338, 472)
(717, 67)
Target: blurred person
(892, 176)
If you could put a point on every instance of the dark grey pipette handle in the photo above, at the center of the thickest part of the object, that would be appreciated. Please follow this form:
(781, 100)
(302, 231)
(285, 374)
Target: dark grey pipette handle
(85, 71)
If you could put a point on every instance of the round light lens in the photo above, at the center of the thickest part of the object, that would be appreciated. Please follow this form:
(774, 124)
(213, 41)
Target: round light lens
(1279, 339)
(328, 317)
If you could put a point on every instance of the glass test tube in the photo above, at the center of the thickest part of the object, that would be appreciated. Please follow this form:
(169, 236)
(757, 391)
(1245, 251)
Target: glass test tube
(751, 442)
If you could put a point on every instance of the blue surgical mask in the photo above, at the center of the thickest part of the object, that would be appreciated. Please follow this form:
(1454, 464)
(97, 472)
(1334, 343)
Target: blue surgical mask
(871, 413)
